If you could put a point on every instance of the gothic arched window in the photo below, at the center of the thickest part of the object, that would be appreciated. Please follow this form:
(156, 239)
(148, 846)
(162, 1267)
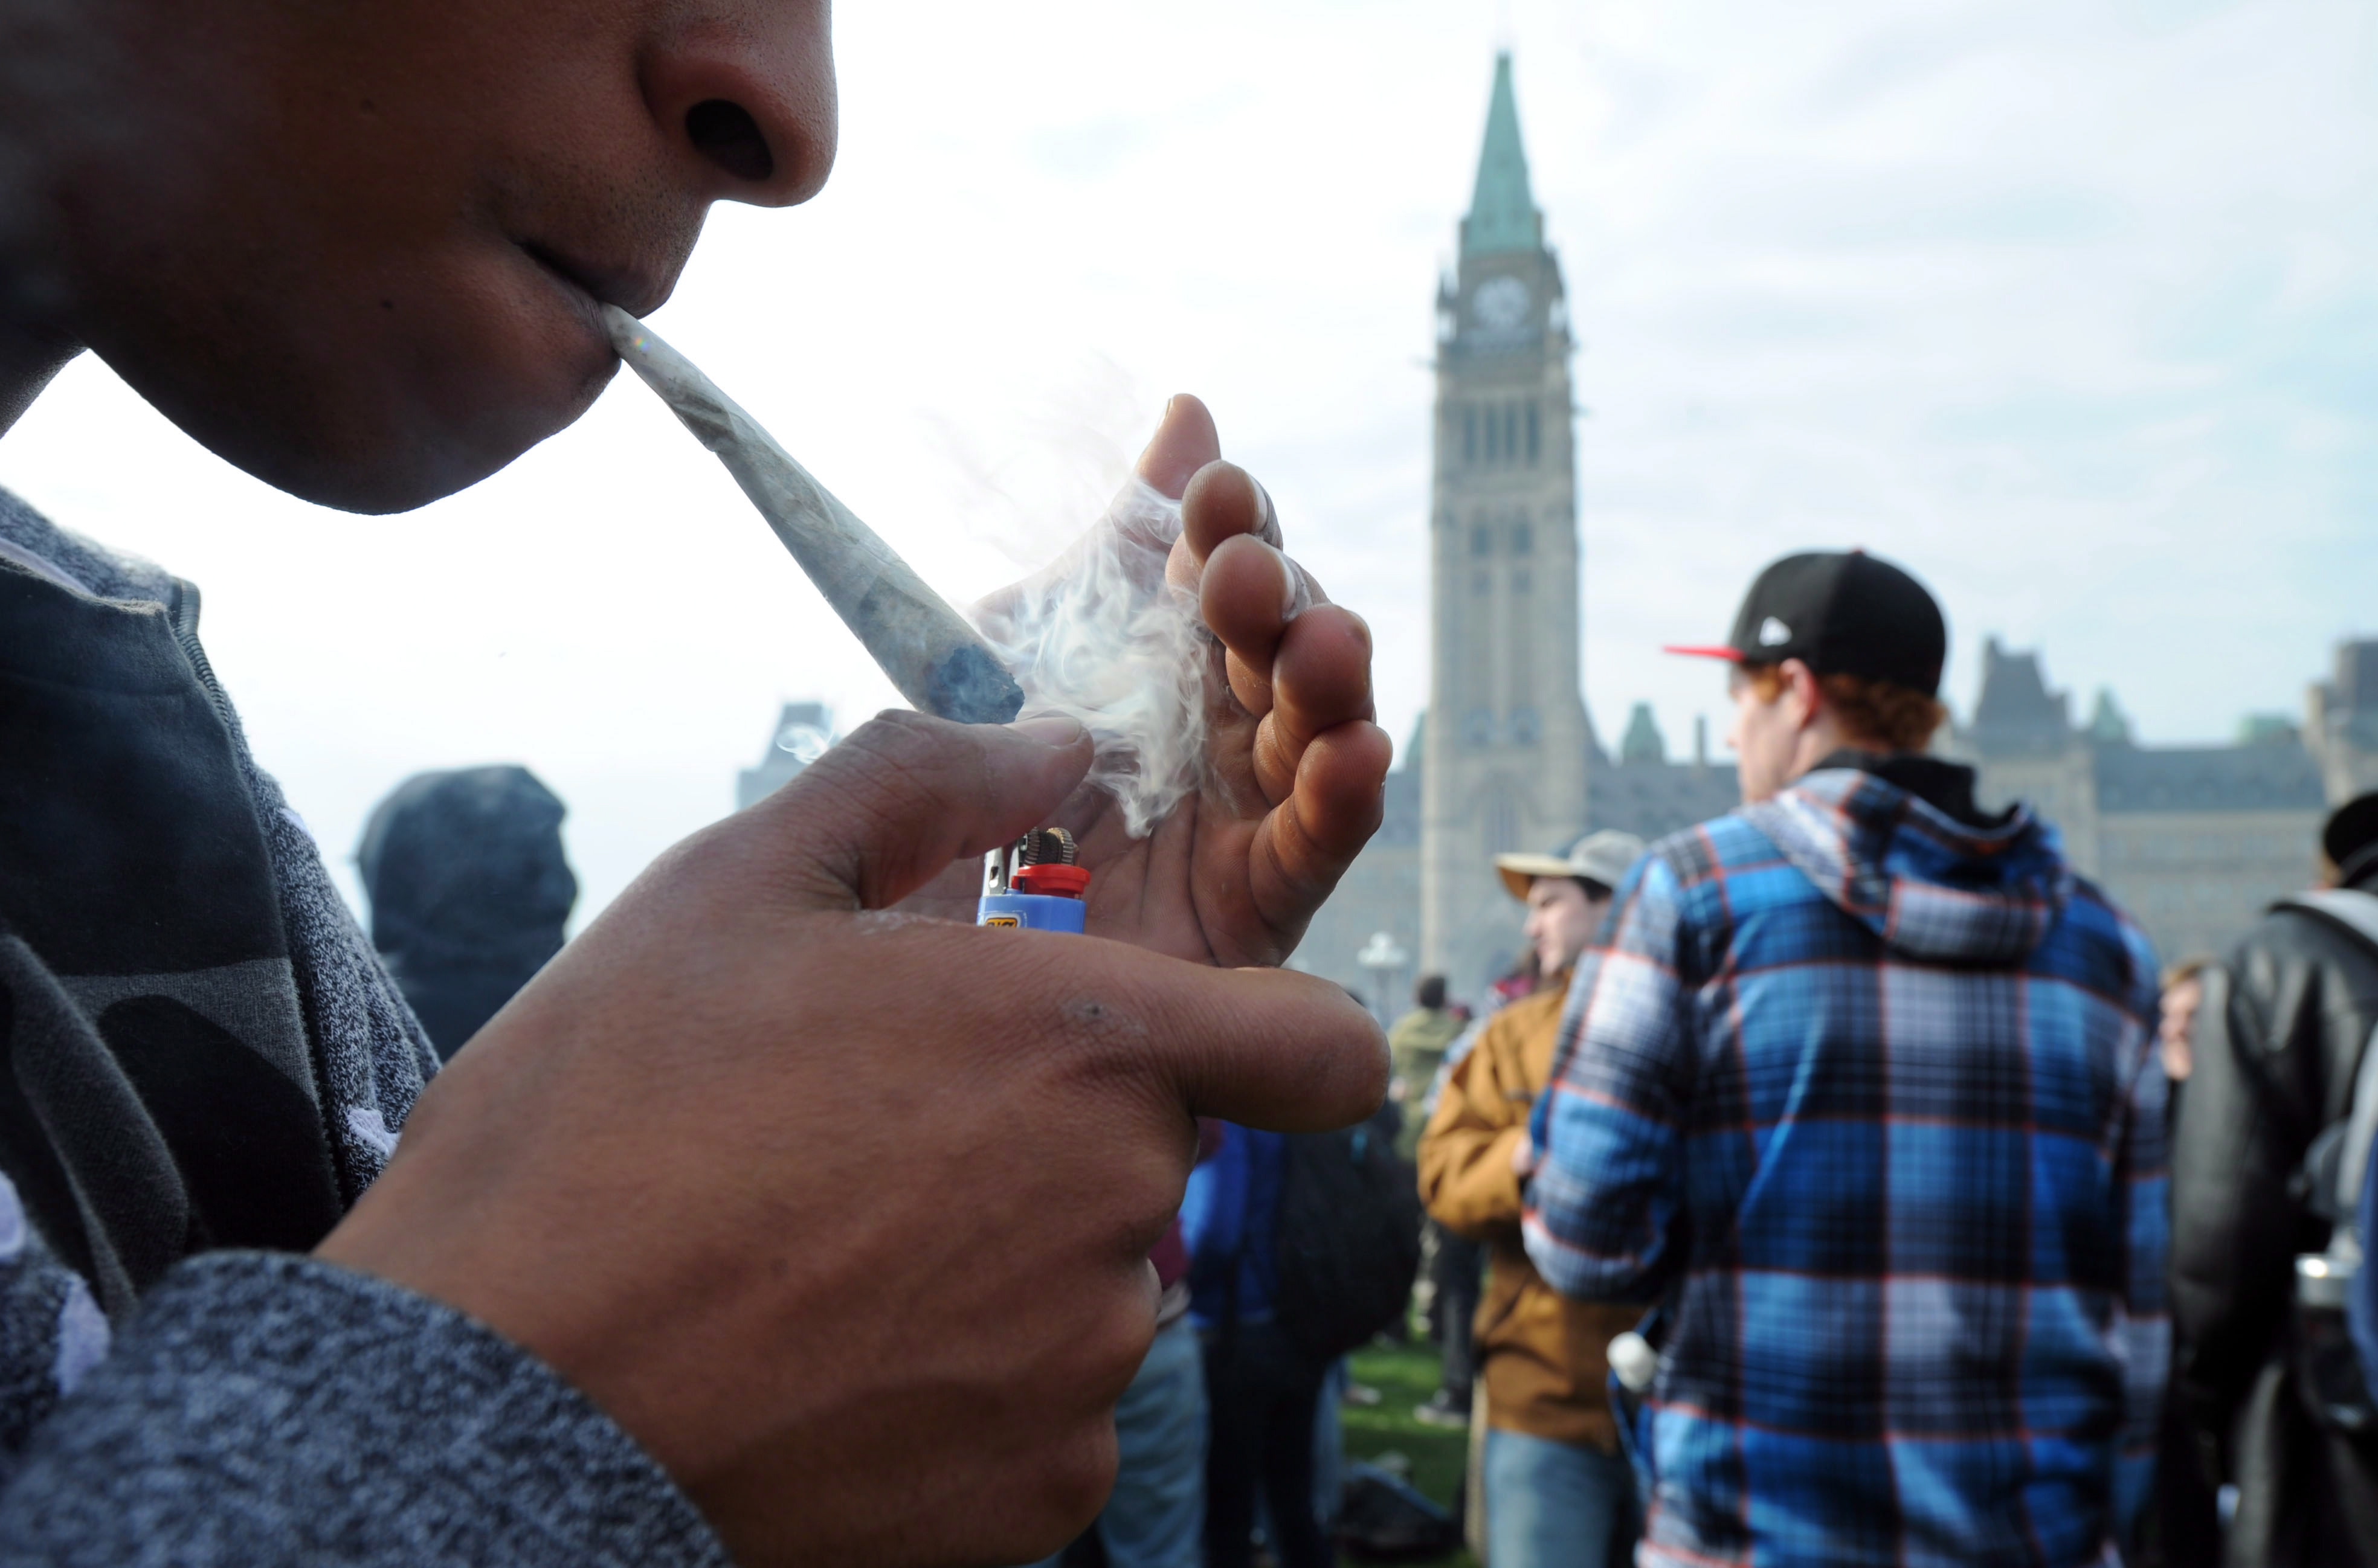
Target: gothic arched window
(1469, 433)
(1481, 540)
(1523, 537)
(1533, 435)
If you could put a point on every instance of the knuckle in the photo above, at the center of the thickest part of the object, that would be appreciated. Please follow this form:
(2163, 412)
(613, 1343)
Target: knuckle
(847, 825)
(885, 765)
(1093, 1028)
(895, 745)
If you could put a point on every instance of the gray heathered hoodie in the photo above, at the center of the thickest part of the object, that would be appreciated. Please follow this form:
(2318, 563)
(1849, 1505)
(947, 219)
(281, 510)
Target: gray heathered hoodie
(202, 1065)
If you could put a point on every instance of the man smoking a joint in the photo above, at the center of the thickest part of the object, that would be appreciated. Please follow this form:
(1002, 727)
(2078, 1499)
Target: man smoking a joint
(699, 1252)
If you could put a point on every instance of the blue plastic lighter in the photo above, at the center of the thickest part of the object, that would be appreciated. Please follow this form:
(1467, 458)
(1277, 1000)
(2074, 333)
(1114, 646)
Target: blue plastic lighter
(1033, 884)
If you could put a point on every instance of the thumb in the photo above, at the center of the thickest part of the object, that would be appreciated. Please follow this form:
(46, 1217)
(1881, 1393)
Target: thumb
(895, 802)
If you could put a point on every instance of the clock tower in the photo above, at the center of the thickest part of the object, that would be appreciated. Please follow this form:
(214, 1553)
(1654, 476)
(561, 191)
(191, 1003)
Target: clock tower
(1505, 748)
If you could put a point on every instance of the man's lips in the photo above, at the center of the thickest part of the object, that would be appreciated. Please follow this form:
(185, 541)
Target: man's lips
(633, 290)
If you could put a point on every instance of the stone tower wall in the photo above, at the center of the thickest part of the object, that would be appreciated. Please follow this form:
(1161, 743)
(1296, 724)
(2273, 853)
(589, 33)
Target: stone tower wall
(1505, 764)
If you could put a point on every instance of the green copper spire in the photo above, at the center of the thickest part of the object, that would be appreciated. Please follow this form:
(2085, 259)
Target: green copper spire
(1503, 215)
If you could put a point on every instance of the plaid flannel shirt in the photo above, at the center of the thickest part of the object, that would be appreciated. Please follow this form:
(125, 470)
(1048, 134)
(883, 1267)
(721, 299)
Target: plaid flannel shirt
(1868, 1097)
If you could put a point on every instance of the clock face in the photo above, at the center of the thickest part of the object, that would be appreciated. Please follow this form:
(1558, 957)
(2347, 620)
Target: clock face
(1500, 303)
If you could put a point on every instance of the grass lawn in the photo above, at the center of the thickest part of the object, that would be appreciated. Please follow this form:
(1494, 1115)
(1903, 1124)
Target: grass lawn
(1405, 1376)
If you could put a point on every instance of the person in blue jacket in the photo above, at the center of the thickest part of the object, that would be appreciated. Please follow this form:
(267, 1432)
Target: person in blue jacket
(1262, 1391)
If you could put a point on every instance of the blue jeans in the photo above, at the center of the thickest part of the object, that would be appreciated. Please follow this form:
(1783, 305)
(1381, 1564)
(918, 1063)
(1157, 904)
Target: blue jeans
(1156, 1516)
(1556, 1505)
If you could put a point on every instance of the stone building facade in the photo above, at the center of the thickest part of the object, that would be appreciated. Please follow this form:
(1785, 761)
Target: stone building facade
(2192, 840)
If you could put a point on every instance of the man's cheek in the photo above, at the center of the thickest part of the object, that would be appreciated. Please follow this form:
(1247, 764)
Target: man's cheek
(1738, 729)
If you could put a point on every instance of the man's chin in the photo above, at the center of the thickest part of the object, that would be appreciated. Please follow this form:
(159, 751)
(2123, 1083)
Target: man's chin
(387, 462)
(382, 482)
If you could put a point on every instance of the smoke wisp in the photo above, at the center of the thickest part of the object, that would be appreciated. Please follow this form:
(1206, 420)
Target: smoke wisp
(1100, 634)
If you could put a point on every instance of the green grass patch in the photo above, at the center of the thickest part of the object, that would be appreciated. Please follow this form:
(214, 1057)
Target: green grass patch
(1405, 1376)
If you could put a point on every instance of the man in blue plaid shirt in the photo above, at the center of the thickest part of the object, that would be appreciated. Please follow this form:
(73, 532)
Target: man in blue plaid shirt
(1860, 1088)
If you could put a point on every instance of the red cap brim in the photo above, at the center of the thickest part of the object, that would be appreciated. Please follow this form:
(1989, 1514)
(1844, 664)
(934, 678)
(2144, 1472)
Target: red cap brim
(1731, 655)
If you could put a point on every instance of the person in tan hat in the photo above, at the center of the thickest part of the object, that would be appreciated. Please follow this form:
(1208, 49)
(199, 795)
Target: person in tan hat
(1557, 1490)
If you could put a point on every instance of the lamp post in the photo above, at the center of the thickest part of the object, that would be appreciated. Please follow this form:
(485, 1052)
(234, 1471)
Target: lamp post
(1384, 960)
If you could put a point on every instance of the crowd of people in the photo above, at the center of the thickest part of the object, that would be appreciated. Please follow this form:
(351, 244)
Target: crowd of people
(1798, 1194)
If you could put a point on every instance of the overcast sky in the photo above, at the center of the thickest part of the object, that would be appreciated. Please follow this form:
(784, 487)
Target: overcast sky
(2071, 306)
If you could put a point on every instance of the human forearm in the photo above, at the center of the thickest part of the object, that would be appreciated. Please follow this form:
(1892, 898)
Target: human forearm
(1599, 1202)
(1605, 1185)
(264, 1408)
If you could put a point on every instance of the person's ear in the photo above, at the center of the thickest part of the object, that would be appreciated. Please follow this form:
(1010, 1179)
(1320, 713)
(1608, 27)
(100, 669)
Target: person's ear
(1803, 699)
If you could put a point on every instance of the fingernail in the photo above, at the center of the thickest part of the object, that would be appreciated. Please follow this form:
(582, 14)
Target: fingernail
(1292, 600)
(1051, 729)
(1267, 525)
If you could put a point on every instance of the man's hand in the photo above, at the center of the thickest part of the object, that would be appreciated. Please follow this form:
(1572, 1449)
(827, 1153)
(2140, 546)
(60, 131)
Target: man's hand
(842, 1212)
(1524, 1157)
(1290, 786)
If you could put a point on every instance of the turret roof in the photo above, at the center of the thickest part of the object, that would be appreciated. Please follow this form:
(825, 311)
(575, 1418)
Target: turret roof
(1503, 216)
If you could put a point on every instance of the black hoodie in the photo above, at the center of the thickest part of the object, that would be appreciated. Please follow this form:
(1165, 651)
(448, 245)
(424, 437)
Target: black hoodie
(469, 891)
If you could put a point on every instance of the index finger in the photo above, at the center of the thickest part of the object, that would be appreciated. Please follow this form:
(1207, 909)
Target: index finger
(1296, 1053)
(1263, 1048)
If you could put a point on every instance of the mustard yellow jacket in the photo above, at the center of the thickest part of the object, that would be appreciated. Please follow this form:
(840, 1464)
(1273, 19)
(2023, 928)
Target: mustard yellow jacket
(1542, 1355)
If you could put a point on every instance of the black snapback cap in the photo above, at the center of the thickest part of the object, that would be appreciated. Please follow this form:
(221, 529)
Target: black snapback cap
(1840, 612)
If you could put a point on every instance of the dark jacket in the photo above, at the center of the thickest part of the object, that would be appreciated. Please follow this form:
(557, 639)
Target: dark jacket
(2280, 1036)
(468, 891)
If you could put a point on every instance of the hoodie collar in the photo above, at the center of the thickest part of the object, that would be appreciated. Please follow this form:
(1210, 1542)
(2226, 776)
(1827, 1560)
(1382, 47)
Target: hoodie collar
(1947, 787)
(1932, 885)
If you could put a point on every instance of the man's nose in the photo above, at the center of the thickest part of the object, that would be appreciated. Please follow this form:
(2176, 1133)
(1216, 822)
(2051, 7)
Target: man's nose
(745, 88)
